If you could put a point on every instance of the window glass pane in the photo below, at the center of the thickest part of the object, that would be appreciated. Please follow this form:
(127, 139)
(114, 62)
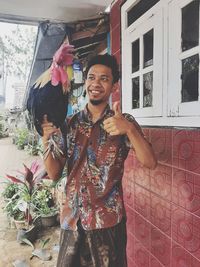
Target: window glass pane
(135, 93)
(147, 89)
(135, 55)
(139, 9)
(190, 25)
(190, 74)
(148, 49)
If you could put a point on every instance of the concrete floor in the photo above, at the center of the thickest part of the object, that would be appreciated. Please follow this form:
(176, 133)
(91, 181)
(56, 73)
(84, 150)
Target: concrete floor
(12, 159)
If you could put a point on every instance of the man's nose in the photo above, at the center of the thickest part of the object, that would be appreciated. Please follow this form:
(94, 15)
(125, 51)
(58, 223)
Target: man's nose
(96, 82)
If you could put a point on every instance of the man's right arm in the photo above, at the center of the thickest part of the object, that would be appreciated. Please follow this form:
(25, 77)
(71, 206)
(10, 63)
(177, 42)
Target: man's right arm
(54, 166)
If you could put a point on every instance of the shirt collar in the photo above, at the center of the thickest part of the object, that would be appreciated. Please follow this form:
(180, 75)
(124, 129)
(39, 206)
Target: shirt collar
(86, 115)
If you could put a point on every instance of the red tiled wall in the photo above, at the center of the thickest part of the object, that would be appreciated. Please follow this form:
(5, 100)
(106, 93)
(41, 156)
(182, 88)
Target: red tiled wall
(162, 205)
(115, 27)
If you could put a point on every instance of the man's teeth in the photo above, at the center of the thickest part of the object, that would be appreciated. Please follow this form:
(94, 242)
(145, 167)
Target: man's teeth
(95, 92)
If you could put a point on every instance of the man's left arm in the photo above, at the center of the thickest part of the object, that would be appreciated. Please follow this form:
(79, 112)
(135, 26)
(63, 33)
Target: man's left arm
(119, 125)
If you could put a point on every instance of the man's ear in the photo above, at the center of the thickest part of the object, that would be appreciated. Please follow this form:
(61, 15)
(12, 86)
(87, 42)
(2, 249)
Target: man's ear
(115, 87)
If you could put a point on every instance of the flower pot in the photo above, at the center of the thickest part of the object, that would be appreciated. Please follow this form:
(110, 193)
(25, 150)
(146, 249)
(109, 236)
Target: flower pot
(30, 234)
(49, 220)
(20, 224)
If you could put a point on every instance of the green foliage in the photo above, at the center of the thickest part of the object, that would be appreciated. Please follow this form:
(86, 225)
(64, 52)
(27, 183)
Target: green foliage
(28, 183)
(3, 132)
(1, 129)
(34, 149)
(44, 242)
(27, 140)
(10, 190)
(11, 198)
(44, 202)
(21, 137)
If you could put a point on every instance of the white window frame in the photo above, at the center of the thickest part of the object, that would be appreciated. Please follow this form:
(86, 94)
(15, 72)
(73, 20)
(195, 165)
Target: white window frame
(170, 111)
(175, 107)
(151, 20)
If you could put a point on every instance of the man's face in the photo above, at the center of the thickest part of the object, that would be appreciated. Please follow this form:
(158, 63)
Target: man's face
(99, 84)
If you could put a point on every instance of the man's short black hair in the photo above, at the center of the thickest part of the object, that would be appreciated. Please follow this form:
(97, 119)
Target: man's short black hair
(106, 60)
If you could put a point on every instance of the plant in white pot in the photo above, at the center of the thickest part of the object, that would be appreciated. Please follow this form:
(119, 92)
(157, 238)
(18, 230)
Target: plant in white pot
(10, 196)
(45, 206)
(28, 183)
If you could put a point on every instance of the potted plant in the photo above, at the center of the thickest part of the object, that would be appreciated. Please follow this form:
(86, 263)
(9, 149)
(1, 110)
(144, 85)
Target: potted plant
(45, 206)
(21, 137)
(28, 183)
(10, 196)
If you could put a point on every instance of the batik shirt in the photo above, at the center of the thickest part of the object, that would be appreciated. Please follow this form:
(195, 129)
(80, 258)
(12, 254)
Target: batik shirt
(95, 164)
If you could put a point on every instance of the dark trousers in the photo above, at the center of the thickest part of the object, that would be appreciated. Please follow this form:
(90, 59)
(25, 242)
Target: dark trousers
(95, 248)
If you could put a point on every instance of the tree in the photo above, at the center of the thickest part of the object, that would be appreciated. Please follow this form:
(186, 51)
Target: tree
(16, 52)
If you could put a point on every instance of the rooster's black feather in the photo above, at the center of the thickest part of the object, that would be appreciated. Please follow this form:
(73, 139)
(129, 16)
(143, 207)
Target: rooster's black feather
(48, 100)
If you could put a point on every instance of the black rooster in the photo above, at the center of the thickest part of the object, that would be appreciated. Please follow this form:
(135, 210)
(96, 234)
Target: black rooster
(49, 95)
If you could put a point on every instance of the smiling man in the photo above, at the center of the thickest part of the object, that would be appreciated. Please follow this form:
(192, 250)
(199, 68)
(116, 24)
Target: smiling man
(93, 220)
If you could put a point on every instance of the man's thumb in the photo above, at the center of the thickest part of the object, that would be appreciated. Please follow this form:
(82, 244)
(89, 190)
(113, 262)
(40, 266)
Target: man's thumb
(116, 108)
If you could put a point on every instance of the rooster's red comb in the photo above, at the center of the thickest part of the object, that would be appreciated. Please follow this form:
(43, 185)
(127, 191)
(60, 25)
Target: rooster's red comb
(62, 58)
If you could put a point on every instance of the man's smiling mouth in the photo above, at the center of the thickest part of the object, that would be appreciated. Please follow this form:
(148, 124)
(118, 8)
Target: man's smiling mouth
(95, 92)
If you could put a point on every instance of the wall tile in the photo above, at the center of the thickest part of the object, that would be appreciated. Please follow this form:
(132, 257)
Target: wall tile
(130, 247)
(130, 223)
(186, 150)
(115, 15)
(160, 246)
(128, 194)
(186, 190)
(161, 140)
(155, 263)
(161, 214)
(116, 96)
(181, 258)
(161, 181)
(142, 231)
(129, 169)
(115, 39)
(128, 181)
(130, 262)
(141, 255)
(142, 201)
(118, 58)
(142, 175)
(186, 230)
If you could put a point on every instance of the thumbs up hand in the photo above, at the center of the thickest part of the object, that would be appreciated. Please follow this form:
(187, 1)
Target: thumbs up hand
(117, 124)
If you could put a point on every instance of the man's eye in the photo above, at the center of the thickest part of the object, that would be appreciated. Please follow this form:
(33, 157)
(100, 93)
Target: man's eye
(90, 78)
(104, 79)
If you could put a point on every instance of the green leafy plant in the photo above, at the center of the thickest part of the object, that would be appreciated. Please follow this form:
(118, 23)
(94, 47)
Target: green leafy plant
(10, 196)
(21, 138)
(28, 183)
(34, 149)
(9, 190)
(44, 242)
(44, 202)
(3, 128)
(12, 210)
